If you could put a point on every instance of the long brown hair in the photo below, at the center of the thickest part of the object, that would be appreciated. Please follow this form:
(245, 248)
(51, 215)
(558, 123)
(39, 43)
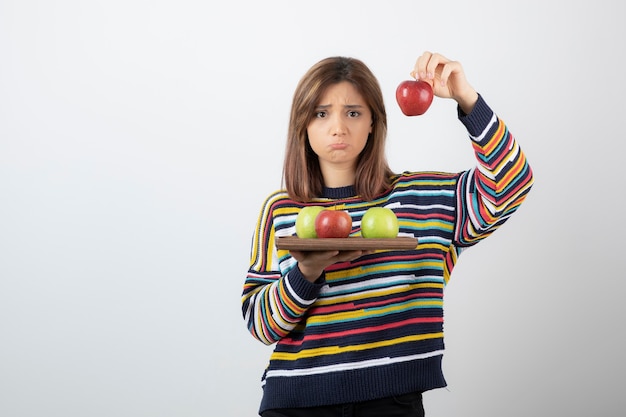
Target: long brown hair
(302, 175)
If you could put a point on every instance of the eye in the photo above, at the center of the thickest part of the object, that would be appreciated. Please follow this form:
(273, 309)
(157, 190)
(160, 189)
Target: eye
(353, 113)
(320, 114)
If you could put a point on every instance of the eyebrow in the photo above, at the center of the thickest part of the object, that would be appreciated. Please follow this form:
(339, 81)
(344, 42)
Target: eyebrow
(346, 106)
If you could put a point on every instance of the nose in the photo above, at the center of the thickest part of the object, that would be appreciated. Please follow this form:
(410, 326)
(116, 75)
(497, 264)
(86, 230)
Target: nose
(338, 127)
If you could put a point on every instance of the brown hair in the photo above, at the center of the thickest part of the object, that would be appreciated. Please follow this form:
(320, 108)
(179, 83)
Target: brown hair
(302, 175)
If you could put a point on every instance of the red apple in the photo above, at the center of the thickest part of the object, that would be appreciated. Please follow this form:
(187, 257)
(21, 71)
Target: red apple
(333, 223)
(414, 97)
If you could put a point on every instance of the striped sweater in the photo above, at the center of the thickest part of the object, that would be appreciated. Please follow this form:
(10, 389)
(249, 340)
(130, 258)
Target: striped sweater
(373, 327)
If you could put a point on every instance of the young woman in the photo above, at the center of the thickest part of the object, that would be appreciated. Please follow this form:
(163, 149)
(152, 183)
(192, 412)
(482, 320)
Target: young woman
(360, 333)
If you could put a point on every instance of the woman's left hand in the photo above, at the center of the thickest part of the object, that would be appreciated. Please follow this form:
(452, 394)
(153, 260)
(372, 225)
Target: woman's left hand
(447, 79)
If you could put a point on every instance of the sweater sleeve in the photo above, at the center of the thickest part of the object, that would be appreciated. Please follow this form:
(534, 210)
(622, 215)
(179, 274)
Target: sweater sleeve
(492, 191)
(275, 297)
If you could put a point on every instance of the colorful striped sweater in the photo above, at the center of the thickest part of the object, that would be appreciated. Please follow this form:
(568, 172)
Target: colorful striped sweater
(373, 327)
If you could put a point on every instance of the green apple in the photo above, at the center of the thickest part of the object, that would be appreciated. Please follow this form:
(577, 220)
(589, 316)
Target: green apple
(379, 222)
(305, 221)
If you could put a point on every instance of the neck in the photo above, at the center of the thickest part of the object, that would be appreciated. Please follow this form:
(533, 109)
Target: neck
(338, 176)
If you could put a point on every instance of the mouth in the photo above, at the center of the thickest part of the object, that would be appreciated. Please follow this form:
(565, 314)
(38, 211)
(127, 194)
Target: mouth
(338, 146)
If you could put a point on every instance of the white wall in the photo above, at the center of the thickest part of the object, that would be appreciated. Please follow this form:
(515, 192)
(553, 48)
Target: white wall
(139, 138)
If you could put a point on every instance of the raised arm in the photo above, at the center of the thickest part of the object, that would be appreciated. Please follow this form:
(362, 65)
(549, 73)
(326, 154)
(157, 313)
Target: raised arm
(489, 193)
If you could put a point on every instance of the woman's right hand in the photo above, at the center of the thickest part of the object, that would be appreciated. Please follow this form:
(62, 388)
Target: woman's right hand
(313, 263)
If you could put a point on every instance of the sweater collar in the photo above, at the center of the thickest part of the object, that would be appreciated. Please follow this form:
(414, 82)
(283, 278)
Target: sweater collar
(338, 192)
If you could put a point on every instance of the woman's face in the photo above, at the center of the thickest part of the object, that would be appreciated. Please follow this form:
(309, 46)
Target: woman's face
(339, 131)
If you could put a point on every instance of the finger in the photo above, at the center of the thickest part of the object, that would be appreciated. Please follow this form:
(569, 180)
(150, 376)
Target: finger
(419, 70)
(435, 64)
(297, 255)
(452, 67)
(445, 73)
(311, 257)
(324, 255)
(349, 255)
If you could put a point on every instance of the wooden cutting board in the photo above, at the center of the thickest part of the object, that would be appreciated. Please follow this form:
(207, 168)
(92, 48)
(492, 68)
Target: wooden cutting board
(348, 243)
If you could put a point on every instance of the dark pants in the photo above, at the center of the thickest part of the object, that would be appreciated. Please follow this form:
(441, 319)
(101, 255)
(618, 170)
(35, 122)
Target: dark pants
(407, 405)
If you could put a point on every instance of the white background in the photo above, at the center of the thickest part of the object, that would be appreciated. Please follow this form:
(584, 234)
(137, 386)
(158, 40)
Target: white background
(138, 140)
